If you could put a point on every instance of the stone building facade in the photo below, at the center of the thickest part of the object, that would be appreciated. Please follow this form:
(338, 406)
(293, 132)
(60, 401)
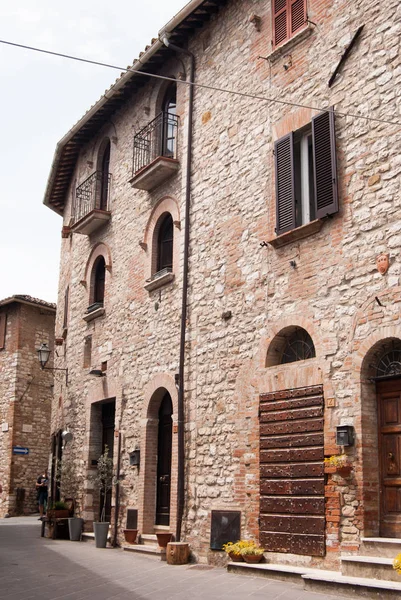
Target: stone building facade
(26, 393)
(225, 307)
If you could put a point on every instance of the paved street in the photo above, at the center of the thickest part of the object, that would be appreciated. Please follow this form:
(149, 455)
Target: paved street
(37, 568)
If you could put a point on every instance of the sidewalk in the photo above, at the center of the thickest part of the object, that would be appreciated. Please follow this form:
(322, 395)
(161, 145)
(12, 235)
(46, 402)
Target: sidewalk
(35, 568)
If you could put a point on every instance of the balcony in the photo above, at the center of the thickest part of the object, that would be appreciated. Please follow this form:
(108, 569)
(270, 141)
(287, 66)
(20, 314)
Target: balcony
(155, 152)
(91, 207)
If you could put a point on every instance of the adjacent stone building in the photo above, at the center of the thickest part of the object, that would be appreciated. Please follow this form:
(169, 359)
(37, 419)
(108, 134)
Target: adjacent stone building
(26, 393)
(226, 323)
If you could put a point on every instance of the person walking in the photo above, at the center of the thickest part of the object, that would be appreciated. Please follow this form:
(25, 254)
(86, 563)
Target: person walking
(41, 486)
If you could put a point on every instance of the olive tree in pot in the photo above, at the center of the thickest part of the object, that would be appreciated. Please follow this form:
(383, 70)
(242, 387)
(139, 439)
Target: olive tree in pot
(103, 481)
(70, 482)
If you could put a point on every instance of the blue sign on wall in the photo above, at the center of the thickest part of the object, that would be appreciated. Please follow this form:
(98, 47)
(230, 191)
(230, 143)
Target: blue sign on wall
(19, 450)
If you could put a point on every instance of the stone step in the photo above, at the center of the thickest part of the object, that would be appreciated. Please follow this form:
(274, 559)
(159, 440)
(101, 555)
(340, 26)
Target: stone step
(386, 547)
(148, 538)
(142, 549)
(317, 580)
(373, 567)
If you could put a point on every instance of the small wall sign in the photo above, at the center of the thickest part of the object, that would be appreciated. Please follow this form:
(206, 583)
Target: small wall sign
(20, 450)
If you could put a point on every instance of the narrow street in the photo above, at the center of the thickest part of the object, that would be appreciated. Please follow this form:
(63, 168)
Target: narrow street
(38, 568)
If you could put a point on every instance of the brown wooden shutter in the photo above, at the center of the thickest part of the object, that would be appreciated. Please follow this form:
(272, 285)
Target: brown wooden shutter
(280, 21)
(285, 197)
(298, 15)
(324, 164)
(3, 320)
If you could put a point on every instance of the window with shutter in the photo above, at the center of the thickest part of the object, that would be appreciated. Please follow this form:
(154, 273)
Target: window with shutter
(3, 319)
(289, 16)
(65, 317)
(306, 174)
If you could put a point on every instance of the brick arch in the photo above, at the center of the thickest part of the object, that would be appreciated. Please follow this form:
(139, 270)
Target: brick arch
(100, 249)
(153, 394)
(364, 358)
(165, 205)
(266, 347)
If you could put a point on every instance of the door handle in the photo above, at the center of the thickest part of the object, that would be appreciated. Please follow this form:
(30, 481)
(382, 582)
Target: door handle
(390, 455)
(163, 478)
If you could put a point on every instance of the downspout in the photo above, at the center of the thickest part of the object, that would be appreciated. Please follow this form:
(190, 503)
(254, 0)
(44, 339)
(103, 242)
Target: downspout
(184, 306)
(117, 498)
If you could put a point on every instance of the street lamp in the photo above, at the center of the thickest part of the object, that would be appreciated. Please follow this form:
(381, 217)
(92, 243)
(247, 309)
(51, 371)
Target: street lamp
(43, 356)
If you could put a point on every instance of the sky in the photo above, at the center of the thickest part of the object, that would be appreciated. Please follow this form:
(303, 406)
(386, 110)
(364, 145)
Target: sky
(41, 98)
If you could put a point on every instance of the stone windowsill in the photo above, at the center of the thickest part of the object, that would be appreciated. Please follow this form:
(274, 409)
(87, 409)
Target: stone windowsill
(99, 312)
(159, 282)
(296, 234)
(288, 44)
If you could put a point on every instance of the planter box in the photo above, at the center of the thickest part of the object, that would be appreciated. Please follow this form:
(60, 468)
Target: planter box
(58, 514)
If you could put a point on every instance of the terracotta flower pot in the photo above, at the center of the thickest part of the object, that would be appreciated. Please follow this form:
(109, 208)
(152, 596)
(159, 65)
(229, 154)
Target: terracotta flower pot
(235, 557)
(130, 535)
(252, 558)
(163, 539)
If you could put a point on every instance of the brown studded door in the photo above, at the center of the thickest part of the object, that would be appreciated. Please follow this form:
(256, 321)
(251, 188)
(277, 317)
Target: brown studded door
(292, 471)
(389, 413)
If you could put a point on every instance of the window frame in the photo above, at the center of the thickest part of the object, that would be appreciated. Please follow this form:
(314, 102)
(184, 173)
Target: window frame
(325, 194)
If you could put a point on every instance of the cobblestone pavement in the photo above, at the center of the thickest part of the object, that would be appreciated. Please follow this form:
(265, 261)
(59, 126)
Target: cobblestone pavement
(37, 568)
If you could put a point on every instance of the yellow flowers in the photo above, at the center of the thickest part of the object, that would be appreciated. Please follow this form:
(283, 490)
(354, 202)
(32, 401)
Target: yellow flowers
(397, 564)
(337, 460)
(242, 547)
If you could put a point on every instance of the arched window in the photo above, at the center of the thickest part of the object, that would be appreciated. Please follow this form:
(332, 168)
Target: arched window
(99, 272)
(165, 244)
(104, 177)
(169, 109)
(298, 346)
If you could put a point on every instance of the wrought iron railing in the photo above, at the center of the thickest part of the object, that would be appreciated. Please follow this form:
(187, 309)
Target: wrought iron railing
(93, 193)
(158, 138)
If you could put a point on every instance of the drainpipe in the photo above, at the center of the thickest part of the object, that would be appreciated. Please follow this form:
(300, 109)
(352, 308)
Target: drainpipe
(184, 306)
(117, 497)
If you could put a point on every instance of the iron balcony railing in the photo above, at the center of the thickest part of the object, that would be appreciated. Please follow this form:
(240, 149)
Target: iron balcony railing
(93, 193)
(158, 138)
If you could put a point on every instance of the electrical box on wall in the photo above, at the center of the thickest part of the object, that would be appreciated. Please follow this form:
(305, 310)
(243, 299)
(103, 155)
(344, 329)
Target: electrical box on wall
(345, 435)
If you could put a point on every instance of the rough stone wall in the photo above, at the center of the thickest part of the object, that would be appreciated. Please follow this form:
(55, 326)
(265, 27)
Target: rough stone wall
(26, 393)
(330, 293)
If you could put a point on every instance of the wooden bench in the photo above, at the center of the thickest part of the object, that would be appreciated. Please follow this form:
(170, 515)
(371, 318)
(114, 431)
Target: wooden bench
(52, 525)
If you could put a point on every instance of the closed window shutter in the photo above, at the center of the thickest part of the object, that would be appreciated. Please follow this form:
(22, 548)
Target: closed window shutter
(280, 18)
(65, 320)
(298, 15)
(285, 198)
(325, 164)
(3, 319)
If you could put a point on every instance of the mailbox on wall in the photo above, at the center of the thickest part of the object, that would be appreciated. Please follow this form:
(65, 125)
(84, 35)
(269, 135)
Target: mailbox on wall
(345, 435)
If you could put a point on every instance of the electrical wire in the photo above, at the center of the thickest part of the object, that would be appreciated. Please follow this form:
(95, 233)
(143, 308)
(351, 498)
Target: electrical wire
(201, 85)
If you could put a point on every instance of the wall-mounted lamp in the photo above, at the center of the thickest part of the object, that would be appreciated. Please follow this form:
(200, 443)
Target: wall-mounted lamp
(66, 436)
(345, 435)
(43, 356)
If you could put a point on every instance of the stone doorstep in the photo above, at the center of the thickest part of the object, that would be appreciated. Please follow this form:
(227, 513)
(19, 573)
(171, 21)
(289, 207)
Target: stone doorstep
(374, 567)
(385, 547)
(150, 550)
(319, 580)
(89, 536)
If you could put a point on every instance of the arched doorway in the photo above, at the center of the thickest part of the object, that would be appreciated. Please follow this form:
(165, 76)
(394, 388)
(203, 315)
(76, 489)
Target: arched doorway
(385, 372)
(164, 445)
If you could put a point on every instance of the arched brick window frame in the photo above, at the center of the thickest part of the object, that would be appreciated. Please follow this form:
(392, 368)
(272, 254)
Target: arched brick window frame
(277, 352)
(153, 396)
(100, 253)
(150, 244)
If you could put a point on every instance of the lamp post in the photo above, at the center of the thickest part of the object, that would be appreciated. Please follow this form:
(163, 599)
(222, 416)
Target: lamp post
(43, 356)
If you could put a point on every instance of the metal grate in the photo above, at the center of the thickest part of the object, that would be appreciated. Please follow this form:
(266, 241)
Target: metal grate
(158, 138)
(93, 193)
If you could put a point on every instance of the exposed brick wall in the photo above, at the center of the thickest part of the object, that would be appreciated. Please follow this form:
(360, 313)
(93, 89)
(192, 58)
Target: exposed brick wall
(330, 292)
(25, 404)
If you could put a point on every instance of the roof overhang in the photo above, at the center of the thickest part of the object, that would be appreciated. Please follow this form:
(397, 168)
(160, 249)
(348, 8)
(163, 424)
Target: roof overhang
(178, 29)
(24, 299)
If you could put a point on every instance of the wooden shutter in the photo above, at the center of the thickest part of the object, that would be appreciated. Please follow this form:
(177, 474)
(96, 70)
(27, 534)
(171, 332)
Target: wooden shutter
(324, 164)
(3, 320)
(280, 21)
(285, 197)
(298, 15)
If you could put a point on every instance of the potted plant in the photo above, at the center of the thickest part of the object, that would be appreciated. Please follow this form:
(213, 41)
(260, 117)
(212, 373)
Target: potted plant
(252, 554)
(338, 463)
(234, 549)
(103, 481)
(397, 564)
(69, 484)
(58, 510)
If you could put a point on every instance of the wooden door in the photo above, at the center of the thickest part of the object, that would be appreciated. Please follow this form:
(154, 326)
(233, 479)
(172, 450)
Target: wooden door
(108, 416)
(389, 412)
(164, 462)
(292, 513)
